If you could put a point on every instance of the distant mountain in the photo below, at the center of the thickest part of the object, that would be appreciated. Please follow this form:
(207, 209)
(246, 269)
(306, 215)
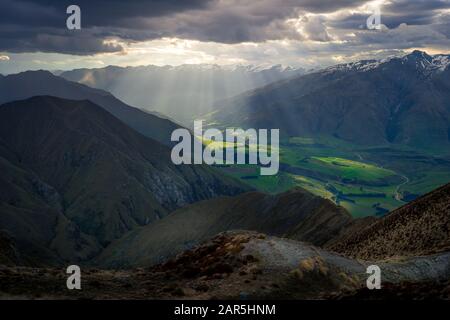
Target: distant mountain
(74, 178)
(296, 214)
(181, 92)
(37, 83)
(420, 227)
(401, 100)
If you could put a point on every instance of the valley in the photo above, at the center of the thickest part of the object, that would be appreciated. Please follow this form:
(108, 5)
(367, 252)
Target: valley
(365, 181)
(368, 149)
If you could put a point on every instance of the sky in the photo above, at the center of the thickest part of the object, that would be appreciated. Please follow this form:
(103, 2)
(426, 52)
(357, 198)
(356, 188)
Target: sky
(299, 33)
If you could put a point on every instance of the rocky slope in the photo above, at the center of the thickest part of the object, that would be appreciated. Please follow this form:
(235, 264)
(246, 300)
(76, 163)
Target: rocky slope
(420, 227)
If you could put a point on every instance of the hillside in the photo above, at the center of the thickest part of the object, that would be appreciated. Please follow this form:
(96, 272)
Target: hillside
(74, 178)
(402, 100)
(420, 227)
(40, 83)
(296, 214)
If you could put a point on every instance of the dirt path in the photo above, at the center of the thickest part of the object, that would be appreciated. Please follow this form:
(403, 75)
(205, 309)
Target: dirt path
(397, 194)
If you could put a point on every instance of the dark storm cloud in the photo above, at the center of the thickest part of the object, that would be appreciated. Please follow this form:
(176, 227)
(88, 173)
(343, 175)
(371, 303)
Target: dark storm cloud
(414, 6)
(411, 12)
(28, 26)
(415, 12)
(95, 12)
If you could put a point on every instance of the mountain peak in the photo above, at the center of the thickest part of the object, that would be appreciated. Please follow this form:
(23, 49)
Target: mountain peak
(42, 76)
(418, 56)
(422, 61)
(416, 59)
(35, 73)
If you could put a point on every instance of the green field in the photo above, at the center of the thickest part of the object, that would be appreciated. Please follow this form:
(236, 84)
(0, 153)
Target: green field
(371, 181)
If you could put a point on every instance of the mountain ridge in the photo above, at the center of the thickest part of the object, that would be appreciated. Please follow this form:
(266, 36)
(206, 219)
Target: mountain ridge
(38, 83)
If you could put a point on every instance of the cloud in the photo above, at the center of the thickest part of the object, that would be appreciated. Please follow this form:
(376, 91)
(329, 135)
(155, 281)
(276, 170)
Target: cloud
(237, 21)
(110, 13)
(315, 29)
(276, 29)
(31, 26)
(40, 26)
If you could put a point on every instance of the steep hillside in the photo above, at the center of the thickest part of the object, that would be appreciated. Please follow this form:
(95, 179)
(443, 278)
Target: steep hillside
(74, 178)
(31, 211)
(296, 214)
(39, 83)
(418, 228)
(401, 100)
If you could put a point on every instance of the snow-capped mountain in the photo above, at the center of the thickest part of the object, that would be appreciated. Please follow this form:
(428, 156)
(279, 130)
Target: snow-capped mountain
(419, 59)
(397, 100)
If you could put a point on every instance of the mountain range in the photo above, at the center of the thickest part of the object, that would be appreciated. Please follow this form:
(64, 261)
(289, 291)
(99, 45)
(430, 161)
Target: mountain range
(400, 100)
(87, 179)
(180, 92)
